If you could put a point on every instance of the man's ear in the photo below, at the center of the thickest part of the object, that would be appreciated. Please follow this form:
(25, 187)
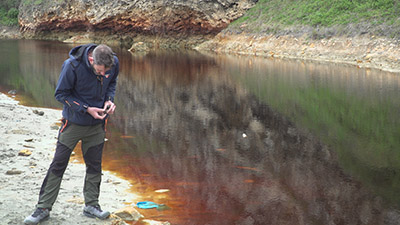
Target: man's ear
(90, 60)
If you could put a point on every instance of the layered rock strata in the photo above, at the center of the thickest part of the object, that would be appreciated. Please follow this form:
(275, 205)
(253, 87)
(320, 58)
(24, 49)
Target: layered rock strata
(131, 17)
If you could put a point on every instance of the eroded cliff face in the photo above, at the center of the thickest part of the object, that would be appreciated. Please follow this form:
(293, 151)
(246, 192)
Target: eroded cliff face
(131, 17)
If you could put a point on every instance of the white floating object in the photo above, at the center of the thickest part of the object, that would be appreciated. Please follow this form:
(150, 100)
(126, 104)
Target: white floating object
(161, 190)
(244, 135)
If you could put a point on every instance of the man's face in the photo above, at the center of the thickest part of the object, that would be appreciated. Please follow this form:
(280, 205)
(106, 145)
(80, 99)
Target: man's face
(100, 69)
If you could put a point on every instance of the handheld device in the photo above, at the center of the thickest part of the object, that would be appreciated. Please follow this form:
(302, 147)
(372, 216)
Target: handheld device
(107, 108)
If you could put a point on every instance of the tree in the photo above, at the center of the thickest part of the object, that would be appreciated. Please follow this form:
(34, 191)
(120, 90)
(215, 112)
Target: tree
(9, 12)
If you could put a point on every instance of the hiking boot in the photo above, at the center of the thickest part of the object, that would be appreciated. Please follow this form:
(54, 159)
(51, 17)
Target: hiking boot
(94, 211)
(39, 215)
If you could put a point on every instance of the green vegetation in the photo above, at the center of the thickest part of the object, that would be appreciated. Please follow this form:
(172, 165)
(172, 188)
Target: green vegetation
(9, 12)
(34, 2)
(272, 15)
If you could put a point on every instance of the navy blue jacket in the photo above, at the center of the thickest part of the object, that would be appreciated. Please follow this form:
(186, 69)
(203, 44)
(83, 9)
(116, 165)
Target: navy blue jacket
(79, 87)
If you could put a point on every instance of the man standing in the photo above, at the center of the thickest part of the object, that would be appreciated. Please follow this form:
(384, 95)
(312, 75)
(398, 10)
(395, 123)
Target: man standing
(86, 87)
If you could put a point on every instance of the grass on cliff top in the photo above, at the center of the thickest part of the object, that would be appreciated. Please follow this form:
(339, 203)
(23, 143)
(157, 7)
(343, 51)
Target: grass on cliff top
(317, 13)
(9, 12)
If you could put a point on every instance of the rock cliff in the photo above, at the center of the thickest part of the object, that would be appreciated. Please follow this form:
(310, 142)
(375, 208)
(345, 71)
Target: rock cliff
(131, 17)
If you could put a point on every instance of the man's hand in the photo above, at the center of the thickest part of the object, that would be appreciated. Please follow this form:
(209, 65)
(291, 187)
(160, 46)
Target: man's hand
(97, 113)
(109, 107)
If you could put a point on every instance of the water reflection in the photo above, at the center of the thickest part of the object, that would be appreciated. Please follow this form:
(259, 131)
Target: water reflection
(354, 111)
(244, 140)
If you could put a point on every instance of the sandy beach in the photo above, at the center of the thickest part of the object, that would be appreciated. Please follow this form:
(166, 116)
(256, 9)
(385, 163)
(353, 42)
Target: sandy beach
(34, 130)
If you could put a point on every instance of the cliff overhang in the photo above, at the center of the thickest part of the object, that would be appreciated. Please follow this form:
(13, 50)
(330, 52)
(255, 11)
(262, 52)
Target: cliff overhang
(130, 18)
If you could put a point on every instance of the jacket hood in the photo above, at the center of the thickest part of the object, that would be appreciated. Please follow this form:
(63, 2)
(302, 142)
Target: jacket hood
(80, 53)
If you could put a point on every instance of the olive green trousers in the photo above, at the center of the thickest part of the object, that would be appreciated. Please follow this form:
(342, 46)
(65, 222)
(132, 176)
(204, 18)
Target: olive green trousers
(70, 134)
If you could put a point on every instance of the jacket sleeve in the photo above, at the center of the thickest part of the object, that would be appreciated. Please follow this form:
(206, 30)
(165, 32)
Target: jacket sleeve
(65, 86)
(110, 93)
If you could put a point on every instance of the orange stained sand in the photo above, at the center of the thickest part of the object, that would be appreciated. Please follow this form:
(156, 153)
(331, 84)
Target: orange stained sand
(143, 185)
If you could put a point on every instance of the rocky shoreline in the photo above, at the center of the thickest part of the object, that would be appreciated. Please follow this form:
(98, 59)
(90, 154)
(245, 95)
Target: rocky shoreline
(27, 145)
(9, 32)
(360, 51)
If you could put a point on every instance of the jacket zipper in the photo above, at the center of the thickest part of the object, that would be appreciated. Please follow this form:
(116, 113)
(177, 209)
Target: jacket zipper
(101, 87)
(100, 79)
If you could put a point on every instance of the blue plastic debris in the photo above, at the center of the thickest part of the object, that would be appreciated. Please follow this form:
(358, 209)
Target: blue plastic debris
(147, 205)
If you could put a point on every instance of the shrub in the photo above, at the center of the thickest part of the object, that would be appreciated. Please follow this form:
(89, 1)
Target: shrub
(9, 12)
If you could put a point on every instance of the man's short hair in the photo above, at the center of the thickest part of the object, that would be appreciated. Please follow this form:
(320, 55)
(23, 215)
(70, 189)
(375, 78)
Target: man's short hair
(103, 55)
